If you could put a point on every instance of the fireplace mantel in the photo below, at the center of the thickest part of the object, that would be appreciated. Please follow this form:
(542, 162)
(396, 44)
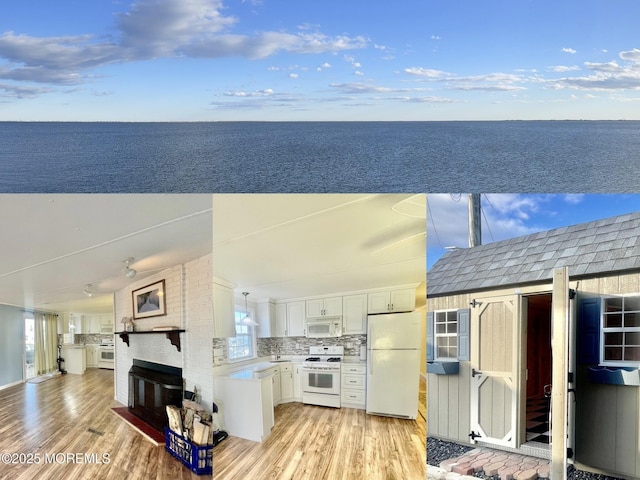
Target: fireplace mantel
(172, 335)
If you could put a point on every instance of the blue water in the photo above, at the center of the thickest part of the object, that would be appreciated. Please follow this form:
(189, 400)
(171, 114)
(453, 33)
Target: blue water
(519, 156)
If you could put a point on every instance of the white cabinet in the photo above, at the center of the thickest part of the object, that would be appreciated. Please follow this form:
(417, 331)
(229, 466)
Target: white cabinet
(266, 318)
(354, 320)
(74, 359)
(223, 312)
(297, 382)
(403, 300)
(105, 324)
(246, 406)
(295, 319)
(324, 307)
(91, 352)
(354, 384)
(281, 320)
(275, 382)
(286, 382)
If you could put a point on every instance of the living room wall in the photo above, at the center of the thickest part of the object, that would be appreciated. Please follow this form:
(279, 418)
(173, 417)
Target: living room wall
(11, 345)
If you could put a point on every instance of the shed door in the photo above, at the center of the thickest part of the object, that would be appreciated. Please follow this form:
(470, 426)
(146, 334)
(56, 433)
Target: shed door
(495, 381)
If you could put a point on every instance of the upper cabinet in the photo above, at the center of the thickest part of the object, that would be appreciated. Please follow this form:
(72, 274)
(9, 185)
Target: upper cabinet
(224, 324)
(324, 307)
(403, 300)
(295, 319)
(97, 324)
(354, 319)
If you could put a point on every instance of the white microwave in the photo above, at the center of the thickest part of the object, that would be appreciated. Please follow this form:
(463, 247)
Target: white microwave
(324, 327)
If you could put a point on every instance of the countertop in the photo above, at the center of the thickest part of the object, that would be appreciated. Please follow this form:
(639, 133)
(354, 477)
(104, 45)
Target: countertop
(256, 369)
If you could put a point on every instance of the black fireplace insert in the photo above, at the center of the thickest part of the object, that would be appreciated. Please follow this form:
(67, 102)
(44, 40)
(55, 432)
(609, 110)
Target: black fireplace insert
(153, 386)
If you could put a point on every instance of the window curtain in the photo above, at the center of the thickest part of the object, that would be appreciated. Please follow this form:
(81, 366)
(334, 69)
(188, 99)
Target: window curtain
(46, 343)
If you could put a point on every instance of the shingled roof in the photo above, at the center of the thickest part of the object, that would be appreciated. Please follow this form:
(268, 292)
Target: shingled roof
(588, 249)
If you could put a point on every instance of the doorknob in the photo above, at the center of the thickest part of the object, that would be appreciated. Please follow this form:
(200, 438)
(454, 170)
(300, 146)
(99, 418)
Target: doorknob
(475, 372)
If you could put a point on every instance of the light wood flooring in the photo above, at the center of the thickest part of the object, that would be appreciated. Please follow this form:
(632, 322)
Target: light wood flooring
(319, 443)
(71, 414)
(62, 416)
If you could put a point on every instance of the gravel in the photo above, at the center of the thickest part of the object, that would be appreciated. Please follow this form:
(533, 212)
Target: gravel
(439, 450)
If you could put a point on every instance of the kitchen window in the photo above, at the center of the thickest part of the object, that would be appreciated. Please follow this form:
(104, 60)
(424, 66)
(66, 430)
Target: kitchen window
(243, 345)
(620, 331)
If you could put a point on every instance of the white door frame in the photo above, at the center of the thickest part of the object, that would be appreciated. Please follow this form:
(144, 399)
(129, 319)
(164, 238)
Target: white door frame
(559, 377)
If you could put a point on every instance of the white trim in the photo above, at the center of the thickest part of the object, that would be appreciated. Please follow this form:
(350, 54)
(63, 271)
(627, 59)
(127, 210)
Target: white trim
(9, 385)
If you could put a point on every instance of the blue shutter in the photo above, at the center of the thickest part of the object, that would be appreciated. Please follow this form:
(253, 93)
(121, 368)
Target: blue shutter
(430, 337)
(464, 323)
(588, 331)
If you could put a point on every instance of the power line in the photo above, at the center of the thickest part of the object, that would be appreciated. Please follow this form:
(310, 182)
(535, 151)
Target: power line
(435, 230)
(486, 221)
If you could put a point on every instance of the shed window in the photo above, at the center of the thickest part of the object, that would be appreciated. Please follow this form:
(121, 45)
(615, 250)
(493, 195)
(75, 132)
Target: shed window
(446, 334)
(621, 330)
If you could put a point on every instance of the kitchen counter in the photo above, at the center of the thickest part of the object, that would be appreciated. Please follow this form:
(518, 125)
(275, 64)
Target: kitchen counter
(74, 358)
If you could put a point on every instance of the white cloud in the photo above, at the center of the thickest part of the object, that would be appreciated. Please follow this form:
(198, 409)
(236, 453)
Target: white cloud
(358, 73)
(155, 29)
(565, 68)
(293, 75)
(257, 93)
(569, 50)
(631, 55)
(20, 91)
(425, 72)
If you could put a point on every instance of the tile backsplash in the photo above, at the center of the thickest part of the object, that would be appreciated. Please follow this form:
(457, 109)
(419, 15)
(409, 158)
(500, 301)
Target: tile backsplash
(294, 345)
(86, 338)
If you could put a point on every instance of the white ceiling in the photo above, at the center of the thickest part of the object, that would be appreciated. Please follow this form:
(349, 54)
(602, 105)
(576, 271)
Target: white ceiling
(271, 245)
(287, 246)
(53, 245)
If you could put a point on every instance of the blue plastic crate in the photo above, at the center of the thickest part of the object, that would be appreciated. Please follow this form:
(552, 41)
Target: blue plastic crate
(199, 459)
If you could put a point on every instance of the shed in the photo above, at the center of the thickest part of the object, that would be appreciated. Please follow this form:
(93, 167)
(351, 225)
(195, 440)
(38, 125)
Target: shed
(489, 356)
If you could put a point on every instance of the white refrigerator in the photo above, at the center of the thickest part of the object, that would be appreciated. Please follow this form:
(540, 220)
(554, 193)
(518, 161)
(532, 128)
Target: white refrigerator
(393, 364)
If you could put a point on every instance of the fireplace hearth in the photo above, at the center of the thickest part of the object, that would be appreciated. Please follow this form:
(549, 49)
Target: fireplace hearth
(153, 386)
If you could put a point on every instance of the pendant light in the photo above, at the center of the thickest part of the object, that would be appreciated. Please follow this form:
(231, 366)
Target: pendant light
(247, 320)
(88, 290)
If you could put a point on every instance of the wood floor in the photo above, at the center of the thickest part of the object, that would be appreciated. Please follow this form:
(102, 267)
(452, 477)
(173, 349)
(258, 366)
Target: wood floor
(68, 415)
(71, 414)
(319, 443)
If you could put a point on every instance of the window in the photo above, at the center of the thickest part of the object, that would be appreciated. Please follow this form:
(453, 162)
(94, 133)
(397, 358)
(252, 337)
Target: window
(243, 345)
(446, 334)
(621, 330)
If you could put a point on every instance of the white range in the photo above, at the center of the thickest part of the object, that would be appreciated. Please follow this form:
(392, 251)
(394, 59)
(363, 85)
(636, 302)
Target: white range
(321, 376)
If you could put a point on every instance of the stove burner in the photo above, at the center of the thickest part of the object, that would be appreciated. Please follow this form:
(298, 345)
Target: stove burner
(312, 359)
(333, 359)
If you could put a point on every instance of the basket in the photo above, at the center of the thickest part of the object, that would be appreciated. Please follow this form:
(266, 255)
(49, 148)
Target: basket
(199, 459)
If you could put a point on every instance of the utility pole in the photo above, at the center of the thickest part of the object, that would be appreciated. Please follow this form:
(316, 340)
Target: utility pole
(475, 228)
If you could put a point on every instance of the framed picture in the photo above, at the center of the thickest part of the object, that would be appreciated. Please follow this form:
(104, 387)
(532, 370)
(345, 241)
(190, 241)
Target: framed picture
(149, 301)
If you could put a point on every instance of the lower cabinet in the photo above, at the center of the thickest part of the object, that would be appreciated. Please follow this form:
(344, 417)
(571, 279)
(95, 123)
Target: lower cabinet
(286, 383)
(297, 382)
(246, 406)
(92, 356)
(353, 386)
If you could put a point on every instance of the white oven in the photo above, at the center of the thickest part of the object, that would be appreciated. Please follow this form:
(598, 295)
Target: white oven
(321, 377)
(106, 355)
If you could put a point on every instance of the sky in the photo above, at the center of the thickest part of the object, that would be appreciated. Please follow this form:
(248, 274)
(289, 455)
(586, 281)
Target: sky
(260, 60)
(513, 215)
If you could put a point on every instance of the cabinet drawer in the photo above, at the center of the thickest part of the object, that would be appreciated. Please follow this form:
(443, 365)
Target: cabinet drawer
(357, 369)
(286, 367)
(353, 381)
(353, 396)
